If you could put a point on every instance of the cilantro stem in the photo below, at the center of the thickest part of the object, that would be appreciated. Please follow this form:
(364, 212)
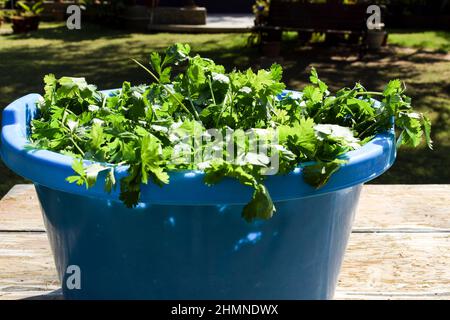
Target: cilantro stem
(372, 93)
(192, 104)
(63, 119)
(270, 110)
(76, 146)
(376, 122)
(195, 114)
(147, 69)
(71, 137)
(222, 109)
(211, 89)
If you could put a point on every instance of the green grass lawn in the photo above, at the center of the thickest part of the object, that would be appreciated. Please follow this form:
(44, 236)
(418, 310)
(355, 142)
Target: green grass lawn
(103, 57)
(435, 40)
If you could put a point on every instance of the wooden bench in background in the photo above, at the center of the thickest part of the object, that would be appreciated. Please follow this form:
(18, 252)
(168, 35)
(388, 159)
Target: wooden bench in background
(335, 20)
(399, 247)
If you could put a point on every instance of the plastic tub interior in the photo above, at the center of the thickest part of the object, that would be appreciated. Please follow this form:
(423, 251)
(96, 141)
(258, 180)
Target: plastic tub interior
(187, 240)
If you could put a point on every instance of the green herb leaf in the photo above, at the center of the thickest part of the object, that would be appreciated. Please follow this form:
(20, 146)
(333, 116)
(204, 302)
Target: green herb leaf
(142, 127)
(319, 173)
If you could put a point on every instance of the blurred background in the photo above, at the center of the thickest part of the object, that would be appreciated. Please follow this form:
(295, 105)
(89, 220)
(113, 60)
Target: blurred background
(410, 42)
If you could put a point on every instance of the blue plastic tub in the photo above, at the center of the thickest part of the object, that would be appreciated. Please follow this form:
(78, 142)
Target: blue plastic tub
(187, 240)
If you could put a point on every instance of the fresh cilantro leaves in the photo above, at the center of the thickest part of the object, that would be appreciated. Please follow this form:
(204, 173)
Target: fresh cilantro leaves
(143, 126)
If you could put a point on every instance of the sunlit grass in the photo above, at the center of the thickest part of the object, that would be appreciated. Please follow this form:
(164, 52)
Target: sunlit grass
(436, 40)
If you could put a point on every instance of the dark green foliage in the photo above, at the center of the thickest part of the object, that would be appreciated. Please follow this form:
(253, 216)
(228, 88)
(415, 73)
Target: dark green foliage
(140, 126)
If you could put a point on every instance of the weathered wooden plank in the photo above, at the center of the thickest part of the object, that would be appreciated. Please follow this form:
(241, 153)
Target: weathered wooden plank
(376, 266)
(20, 210)
(343, 295)
(397, 263)
(393, 208)
(404, 208)
(399, 248)
(33, 295)
(26, 264)
(340, 295)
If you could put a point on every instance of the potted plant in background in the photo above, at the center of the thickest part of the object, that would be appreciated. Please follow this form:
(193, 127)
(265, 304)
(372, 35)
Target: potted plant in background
(58, 10)
(376, 37)
(28, 18)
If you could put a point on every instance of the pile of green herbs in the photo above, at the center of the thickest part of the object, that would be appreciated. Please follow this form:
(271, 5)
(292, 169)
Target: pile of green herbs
(136, 125)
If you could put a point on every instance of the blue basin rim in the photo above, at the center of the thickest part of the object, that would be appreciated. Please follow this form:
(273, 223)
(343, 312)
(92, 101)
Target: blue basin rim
(50, 169)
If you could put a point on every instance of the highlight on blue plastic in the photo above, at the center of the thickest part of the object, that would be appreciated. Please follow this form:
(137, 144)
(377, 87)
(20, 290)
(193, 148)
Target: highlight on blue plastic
(187, 240)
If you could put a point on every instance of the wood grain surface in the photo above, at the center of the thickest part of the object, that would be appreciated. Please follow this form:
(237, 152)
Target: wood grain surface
(399, 247)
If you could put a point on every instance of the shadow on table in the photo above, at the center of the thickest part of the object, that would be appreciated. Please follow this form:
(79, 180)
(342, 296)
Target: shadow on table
(53, 295)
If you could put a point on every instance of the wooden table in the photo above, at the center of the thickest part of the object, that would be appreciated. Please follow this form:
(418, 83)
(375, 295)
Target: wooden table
(399, 248)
